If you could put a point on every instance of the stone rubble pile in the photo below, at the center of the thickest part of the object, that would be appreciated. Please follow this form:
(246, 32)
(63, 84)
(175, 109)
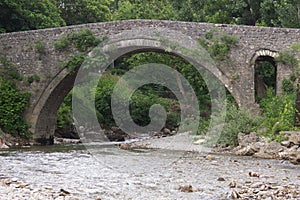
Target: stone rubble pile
(260, 147)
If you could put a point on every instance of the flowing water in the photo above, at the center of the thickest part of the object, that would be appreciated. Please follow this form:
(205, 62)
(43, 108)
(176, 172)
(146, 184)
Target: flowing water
(104, 171)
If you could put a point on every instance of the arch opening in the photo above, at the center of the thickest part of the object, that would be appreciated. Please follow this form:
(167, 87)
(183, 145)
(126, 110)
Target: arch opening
(265, 76)
(46, 109)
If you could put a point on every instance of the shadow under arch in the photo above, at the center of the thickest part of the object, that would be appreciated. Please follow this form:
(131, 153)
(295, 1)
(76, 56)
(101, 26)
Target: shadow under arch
(265, 59)
(141, 40)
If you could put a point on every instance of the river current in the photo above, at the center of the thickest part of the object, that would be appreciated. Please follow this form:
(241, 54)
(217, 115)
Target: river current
(104, 171)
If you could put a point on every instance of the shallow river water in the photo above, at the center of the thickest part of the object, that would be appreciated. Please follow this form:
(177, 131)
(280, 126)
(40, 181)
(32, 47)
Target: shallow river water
(106, 172)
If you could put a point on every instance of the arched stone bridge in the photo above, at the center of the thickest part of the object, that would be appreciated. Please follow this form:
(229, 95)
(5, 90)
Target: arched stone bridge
(254, 43)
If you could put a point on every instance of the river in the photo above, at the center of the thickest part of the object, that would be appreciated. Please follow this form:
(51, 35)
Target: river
(103, 171)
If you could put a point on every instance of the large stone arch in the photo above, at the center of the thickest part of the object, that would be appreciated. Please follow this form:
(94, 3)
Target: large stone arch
(44, 115)
(170, 41)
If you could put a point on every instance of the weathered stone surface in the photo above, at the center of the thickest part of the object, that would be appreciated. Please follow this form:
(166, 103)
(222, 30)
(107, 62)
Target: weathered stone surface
(55, 83)
(293, 136)
(246, 139)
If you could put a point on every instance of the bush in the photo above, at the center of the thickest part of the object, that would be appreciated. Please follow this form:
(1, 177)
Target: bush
(278, 113)
(62, 44)
(39, 46)
(12, 105)
(237, 121)
(83, 39)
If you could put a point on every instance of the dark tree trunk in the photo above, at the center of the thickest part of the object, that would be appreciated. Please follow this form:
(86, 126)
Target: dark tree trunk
(297, 105)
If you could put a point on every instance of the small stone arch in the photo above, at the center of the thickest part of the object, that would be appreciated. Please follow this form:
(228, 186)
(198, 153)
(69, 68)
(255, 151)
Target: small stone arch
(263, 55)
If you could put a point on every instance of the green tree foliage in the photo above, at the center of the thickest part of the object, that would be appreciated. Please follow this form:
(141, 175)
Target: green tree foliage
(84, 11)
(139, 9)
(19, 15)
(12, 102)
(281, 13)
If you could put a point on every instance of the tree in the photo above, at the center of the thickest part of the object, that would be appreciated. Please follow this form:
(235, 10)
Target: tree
(19, 15)
(85, 11)
(139, 9)
(281, 13)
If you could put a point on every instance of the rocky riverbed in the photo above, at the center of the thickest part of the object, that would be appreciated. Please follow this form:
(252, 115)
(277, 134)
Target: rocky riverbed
(170, 168)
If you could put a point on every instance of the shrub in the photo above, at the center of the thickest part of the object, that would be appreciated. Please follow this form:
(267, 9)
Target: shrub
(218, 46)
(12, 102)
(39, 46)
(12, 105)
(62, 44)
(237, 121)
(83, 39)
(278, 113)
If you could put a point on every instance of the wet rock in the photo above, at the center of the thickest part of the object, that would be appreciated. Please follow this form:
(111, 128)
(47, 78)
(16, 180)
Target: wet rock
(166, 131)
(68, 131)
(64, 192)
(253, 174)
(209, 157)
(4, 146)
(115, 134)
(220, 179)
(125, 146)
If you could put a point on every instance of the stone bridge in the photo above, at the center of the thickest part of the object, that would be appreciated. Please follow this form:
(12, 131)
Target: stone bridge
(254, 44)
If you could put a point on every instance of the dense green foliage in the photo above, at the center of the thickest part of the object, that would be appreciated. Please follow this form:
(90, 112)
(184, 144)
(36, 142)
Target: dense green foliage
(12, 102)
(18, 15)
(84, 11)
(140, 103)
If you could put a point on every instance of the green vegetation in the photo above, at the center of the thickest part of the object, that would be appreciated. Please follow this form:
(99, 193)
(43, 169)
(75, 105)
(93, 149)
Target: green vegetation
(33, 78)
(39, 46)
(62, 44)
(218, 46)
(237, 121)
(13, 102)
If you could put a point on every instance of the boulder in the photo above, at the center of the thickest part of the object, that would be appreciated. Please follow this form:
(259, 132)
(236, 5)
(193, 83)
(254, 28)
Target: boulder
(246, 139)
(68, 131)
(115, 134)
(293, 136)
(273, 148)
(246, 151)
